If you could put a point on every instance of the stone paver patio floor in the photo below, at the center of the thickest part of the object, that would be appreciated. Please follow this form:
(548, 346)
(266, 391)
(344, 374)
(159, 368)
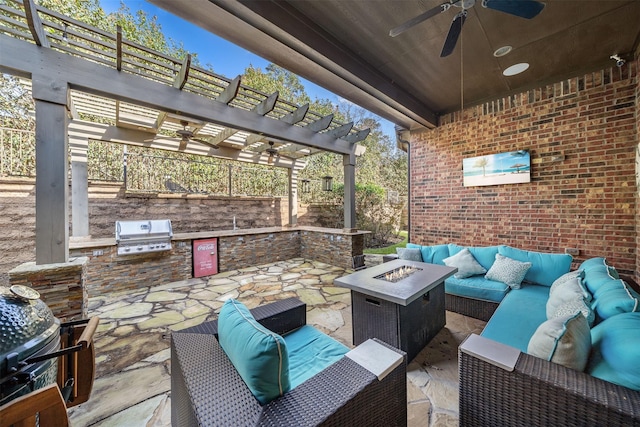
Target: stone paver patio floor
(132, 386)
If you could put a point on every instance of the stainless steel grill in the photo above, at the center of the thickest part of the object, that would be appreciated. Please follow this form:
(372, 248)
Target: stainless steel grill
(136, 237)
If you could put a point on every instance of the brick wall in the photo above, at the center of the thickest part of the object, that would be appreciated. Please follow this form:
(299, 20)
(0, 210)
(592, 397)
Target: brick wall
(637, 272)
(586, 201)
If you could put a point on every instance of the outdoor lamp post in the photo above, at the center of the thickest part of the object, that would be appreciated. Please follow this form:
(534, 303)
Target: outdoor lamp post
(327, 183)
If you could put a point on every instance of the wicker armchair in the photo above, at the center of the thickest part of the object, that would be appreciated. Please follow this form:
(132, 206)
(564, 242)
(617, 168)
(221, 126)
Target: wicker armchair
(206, 390)
(534, 392)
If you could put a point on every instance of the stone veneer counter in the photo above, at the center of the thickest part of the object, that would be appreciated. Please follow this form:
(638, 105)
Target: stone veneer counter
(109, 272)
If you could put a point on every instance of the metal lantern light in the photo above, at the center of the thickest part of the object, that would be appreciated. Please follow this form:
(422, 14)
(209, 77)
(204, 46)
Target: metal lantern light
(305, 186)
(327, 183)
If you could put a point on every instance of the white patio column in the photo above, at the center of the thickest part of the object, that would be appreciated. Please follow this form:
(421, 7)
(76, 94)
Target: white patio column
(349, 163)
(293, 196)
(52, 213)
(79, 186)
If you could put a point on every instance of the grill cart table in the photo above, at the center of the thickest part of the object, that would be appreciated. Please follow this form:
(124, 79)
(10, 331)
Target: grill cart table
(400, 302)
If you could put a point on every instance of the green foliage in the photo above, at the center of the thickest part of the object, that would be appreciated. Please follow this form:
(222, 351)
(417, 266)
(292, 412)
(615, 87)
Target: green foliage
(392, 248)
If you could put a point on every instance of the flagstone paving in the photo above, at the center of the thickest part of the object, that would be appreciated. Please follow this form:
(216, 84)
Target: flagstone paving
(133, 367)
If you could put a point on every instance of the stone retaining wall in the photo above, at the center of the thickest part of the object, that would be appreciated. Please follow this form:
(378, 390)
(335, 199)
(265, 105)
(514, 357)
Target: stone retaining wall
(109, 202)
(236, 252)
(107, 272)
(61, 286)
(334, 249)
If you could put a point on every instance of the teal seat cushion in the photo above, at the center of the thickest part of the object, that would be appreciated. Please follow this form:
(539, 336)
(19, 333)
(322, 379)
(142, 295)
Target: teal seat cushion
(258, 354)
(518, 316)
(596, 276)
(476, 287)
(310, 352)
(545, 267)
(484, 255)
(616, 350)
(432, 254)
(613, 298)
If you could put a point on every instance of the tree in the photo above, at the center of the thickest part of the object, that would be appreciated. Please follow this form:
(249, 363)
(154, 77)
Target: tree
(482, 162)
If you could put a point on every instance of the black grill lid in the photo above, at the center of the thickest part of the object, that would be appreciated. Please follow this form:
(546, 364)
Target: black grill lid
(26, 325)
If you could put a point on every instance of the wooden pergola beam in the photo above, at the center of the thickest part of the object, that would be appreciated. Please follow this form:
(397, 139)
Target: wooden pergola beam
(35, 24)
(183, 74)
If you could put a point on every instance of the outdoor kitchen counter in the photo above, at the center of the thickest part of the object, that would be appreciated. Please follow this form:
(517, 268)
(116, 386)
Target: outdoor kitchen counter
(107, 271)
(89, 242)
(265, 230)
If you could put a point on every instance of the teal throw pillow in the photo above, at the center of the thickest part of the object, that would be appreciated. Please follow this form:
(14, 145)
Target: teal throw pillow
(410, 254)
(563, 340)
(616, 350)
(258, 354)
(465, 263)
(509, 271)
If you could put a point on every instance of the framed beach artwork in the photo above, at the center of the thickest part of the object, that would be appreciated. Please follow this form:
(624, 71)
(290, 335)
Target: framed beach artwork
(513, 167)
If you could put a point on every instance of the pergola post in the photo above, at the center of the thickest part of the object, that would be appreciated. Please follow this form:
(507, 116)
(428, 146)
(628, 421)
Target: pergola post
(79, 186)
(349, 163)
(52, 212)
(293, 196)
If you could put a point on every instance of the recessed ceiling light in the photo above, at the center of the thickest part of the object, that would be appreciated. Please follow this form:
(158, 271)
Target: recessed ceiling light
(516, 69)
(502, 51)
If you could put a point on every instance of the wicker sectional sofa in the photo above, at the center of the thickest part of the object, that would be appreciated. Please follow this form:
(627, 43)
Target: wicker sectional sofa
(501, 384)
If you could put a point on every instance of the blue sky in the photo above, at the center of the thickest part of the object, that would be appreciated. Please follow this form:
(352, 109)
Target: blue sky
(225, 57)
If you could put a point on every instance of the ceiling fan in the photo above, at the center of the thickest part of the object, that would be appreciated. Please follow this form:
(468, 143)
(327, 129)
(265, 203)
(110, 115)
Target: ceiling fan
(187, 135)
(524, 8)
(273, 153)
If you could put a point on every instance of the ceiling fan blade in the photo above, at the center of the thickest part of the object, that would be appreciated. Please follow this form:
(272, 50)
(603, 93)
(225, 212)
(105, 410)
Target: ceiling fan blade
(454, 34)
(418, 19)
(524, 8)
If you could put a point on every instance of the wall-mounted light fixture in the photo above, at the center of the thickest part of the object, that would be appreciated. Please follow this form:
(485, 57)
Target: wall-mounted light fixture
(327, 183)
(64, 34)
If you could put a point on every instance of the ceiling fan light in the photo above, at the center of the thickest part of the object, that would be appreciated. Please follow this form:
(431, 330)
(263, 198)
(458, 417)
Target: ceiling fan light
(502, 51)
(516, 69)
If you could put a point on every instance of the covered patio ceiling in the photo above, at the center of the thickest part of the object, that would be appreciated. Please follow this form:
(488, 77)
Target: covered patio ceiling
(344, 46)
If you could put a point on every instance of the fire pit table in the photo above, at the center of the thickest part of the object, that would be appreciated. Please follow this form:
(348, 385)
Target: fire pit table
(400, 302)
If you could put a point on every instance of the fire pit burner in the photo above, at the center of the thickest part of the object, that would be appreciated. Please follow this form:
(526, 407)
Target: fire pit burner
(397, 274)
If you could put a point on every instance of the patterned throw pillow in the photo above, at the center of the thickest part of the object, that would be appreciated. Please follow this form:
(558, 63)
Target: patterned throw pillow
(465, 263)
(509, 271)
(572, 307)
(570, 277)
(563, 340)
(409, 254)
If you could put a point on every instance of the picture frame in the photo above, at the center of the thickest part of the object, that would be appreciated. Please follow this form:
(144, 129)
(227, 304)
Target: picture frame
(511, 167)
